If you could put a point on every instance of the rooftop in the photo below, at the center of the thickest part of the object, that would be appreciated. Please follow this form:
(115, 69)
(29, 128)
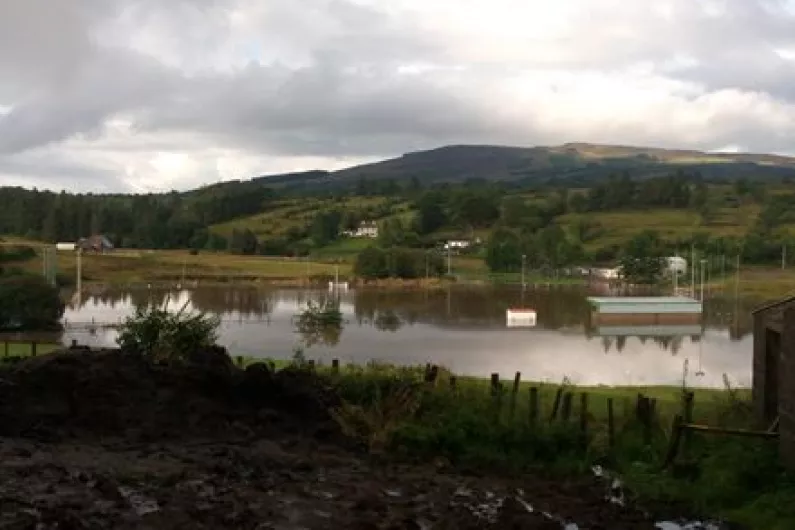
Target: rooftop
(600, 300)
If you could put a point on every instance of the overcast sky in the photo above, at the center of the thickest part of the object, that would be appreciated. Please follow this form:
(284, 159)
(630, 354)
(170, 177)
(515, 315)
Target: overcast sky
(149, 95)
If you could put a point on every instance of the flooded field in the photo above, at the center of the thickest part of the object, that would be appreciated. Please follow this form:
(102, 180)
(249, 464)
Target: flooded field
(463, 328)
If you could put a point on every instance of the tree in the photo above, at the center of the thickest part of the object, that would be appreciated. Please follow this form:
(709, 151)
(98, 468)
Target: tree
(503, 251)
(29, 303)
(371, 263)
(514, 211)
(643, 258)
(430, 213)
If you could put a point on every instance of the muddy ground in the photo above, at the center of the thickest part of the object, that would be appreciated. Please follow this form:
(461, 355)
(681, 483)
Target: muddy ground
(96, 440)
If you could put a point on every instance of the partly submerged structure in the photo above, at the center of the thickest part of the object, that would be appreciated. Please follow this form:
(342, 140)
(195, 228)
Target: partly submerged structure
(644, 311)
(774, 371)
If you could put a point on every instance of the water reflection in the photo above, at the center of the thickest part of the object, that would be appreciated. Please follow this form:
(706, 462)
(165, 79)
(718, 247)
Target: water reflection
(463, 328)
(320, 322)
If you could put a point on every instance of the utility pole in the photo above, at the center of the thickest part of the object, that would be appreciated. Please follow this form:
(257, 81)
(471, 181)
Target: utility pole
(737, 279)
(79, 282)
(524, 258)
(692, 271)
(703, 262)
(449, 260)
(427, 271)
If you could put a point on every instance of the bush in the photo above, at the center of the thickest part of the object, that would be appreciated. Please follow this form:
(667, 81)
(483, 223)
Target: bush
(16, 253)
(375, 262)
(163, 335)
(29, 303)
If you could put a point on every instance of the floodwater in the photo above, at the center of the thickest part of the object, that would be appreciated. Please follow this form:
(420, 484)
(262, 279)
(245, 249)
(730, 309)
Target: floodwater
(462, 328)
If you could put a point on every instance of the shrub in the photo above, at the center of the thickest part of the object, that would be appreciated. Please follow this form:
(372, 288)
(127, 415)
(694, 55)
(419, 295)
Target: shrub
(29, 303)
(163, 335)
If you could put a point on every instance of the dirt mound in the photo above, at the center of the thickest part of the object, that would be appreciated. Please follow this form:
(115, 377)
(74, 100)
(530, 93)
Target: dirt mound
(109, 393)
(270, 485)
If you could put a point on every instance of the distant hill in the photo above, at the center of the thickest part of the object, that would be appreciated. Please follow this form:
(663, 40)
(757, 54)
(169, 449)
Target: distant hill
(577, 163)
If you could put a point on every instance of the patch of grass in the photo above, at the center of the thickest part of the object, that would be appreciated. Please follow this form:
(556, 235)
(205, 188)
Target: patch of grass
(126, 267)
(392, 410)
(9, 348)
(345, 249)
(298, 213)
(618, 227)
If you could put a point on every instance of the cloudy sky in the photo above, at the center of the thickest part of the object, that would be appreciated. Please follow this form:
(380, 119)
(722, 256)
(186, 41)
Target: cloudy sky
(148, 95)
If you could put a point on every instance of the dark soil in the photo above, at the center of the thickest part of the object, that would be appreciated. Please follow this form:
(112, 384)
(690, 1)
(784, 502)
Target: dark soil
(96, 440)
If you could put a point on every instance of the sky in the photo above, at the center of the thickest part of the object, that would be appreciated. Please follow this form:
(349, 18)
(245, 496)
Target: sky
(147, 95)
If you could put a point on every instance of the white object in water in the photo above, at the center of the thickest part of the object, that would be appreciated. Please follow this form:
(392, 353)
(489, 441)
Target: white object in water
(337, 286)
(520, 318)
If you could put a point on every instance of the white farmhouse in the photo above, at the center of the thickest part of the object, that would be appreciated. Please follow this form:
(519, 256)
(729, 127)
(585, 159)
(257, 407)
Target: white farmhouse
(365, 229)
(457, 244)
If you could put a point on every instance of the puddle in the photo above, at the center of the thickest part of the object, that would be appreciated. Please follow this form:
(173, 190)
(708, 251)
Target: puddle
(615, 494)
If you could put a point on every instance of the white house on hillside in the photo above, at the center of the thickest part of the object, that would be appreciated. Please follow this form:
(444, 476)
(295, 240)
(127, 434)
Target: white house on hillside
(365, 229)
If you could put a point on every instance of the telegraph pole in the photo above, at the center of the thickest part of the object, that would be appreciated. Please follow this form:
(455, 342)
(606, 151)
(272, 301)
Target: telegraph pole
(79, 281)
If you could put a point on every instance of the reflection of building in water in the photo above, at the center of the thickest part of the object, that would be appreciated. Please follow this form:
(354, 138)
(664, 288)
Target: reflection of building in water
(667, 337)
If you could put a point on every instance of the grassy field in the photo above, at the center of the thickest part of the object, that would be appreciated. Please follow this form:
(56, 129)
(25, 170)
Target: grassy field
(466, 426)
(168, 265)
(617, 227)
(298, 213)
(9, 348)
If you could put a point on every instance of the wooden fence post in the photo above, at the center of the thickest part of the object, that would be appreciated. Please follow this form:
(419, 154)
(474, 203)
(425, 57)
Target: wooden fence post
(611, 424)
(556, 404)
(533, 410)
(584, 416)
(514, 391)
(453, 382)
(335, 366)
(565, 412)
(687, 417)
(674, 441)
(33, 348)
(496, 395)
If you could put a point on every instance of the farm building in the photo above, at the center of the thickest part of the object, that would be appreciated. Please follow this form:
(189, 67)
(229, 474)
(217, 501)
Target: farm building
(365, 229)
(774, 371)
(97, 243)
(66, 246)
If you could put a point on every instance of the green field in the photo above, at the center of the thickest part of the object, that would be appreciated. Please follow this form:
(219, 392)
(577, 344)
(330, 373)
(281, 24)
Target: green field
(15, 348)
(298, 213)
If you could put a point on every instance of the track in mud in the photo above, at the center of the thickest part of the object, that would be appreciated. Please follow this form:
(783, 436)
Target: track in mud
(96, 440)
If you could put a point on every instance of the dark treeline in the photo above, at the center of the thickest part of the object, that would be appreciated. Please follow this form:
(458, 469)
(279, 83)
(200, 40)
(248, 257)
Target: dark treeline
(171, 220)
(521, 218)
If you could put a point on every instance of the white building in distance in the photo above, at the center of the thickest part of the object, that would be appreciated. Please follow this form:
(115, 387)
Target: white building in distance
(365, 229)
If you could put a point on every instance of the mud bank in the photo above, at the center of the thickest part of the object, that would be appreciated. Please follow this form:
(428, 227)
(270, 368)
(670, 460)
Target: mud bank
(100, 440)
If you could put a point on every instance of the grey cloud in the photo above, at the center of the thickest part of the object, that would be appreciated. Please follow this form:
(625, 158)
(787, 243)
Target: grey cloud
(329, 86)
(103, 87)
(51, 170)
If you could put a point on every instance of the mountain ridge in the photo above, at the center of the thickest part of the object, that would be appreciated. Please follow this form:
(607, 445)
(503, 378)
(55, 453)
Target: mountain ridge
(576, 161)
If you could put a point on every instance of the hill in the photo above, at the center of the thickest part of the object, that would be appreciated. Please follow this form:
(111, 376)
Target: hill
(573, 163)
